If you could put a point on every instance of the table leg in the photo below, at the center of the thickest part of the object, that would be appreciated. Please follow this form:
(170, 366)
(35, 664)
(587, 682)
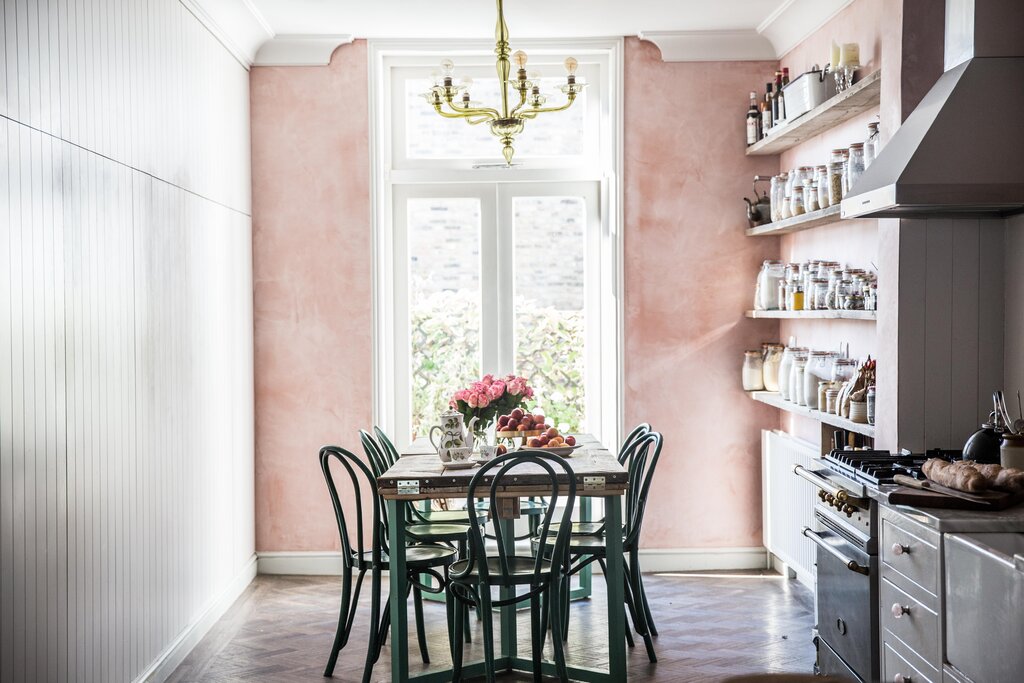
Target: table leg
(508, 612)
(585, 575)
(616, 596)
(398, 584)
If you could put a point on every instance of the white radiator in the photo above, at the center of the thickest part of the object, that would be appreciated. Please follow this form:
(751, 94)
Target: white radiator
(788, 501)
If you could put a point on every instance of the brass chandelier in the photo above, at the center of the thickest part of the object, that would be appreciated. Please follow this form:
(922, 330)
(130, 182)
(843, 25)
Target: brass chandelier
(505, 123)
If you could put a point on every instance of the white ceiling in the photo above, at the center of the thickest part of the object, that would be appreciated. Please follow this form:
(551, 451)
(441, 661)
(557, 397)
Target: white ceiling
(525, 18)
(306, 31)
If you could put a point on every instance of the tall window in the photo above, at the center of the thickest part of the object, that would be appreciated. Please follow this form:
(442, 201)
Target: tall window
(487, 269)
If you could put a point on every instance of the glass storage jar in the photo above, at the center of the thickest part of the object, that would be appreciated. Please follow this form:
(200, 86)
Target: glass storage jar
(811, 196)
(796, 380)
(843, 369)
(855, 166)
(820, 299)
(768, 280)
(772, 361)
(846, 172)
(835, 183)
(821, 180)
(785, 366)
(871, 144)
(785, 212)
(796, 204)
(818, 369)
(753, 371)
(773, 195)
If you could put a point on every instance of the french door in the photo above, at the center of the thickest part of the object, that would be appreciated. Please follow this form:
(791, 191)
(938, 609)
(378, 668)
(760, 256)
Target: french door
(499, 278)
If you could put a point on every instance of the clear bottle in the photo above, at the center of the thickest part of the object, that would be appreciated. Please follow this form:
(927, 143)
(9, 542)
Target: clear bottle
(773, 194)
(753, 371)
(821, 181)
(846, 172)
(855, 166)
(772, 363)
(796, 380)
(786, 202)
(798, 297)
(785, 367)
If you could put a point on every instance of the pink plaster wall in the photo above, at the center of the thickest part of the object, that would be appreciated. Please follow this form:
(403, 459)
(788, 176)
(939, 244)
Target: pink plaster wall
(311, 272)
(689, 275)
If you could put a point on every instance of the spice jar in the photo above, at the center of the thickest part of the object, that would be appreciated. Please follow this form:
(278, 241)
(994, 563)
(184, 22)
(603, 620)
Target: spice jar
(753, 371)
(820, 289)
(785, 212)
(811, 196)
(821, 181)
(835, 183)
(855, 166)
(1011, 451)
(770, 370)
(831, 400)
(797, 301)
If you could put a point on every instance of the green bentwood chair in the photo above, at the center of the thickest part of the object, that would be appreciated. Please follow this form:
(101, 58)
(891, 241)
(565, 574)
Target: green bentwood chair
(371, 555)
(534, 578)
(584, 549)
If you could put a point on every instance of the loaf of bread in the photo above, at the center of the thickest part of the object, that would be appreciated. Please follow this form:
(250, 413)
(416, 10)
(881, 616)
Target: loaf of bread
(968, 475)
(962, 476)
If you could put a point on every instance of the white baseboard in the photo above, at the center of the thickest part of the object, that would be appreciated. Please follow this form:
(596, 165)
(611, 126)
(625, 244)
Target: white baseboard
(653, 560)
(702, 559)
(175, 653)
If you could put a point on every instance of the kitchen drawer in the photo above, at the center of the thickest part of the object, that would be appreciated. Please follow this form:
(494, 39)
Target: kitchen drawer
(951, 675)
(910, 555)
(897, 667)
(917, 626)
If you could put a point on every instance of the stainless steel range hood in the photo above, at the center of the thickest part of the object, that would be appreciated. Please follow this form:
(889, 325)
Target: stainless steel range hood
(961, 151)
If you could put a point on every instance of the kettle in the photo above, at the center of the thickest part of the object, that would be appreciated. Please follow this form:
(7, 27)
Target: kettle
(759, 211)
(983, 445)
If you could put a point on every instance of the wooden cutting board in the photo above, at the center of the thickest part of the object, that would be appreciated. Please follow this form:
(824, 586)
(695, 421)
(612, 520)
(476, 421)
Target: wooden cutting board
(997, 500)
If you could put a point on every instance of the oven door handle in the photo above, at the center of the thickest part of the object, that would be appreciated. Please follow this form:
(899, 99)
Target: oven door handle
(840, 495)
(825, 545)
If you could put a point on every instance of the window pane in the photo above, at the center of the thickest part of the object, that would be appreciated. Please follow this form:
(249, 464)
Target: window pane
(444, 303)
(429, 136)
(550, 246)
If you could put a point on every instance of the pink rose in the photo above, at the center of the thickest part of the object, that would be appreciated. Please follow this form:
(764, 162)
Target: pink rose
(495, 391)
(471, 400)
(528, 393)
(516, 386)
(482, 400)
(487, 380)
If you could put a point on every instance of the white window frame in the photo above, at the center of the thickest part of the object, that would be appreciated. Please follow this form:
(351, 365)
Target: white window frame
(389, 174)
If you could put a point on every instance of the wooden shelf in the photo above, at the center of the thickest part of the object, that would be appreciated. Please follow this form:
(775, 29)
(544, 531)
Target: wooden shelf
(807, 221)
(814, 315)
(861, 97)
(774, 399)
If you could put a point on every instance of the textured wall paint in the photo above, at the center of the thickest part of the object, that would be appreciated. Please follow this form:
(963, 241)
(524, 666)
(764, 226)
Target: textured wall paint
(689, 273)
(312, 277)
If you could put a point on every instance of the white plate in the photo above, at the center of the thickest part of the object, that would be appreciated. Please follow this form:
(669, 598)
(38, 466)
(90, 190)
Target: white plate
(464, 465)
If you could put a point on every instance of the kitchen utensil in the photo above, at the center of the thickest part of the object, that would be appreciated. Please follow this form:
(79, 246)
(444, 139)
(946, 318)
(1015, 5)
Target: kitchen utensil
(904, 480)
(1000, 400)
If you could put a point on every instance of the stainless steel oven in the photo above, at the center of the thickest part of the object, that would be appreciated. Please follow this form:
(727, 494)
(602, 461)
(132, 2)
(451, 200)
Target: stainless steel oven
(847, 577)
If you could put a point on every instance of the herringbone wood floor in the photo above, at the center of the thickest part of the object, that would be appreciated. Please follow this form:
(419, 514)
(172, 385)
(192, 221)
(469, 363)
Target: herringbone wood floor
(712, 626)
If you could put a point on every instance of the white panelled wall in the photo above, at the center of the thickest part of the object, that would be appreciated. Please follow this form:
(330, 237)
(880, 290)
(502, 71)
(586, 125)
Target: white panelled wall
(126, 371)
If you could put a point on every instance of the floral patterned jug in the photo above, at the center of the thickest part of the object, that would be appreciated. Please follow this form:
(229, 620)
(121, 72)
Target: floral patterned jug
(454, 435)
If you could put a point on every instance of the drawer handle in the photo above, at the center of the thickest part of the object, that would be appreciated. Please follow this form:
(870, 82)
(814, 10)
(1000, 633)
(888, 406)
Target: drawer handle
(900, 678)
(899, 610)
(898, 549)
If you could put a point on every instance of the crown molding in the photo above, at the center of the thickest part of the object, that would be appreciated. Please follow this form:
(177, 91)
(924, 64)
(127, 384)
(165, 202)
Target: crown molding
(794, 21)
(711, 46)
(236, 24)
(782, 30)
(300, 50)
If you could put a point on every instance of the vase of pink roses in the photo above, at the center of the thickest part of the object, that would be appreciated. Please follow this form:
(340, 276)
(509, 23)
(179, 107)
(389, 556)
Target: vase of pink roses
(490, 397)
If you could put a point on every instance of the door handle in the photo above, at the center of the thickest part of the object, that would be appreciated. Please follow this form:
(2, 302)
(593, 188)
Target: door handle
(850, 563)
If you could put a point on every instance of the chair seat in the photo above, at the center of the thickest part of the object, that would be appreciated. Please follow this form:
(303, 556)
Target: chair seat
(526, 507)
(416, 556)
(581, 528)
(520, 569)
(579, 545)
(437, 532)
(445, 516)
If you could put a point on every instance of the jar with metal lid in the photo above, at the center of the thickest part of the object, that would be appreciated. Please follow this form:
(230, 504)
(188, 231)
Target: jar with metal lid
(791, 179)
(871, 144)
(821, 180)
(871, 298)
(784, 210)
(773, 194)
(819, 286)
(753, 371)
(796, 202)
(768, 285)
(811, 196)
(843, 369)
(853, 302)
(835, 182)
(818, 369)
(796, 381)
(838, 154)
(855, 167)
(772, 361)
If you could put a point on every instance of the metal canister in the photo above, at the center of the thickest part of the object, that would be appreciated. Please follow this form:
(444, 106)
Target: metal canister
(871, 405)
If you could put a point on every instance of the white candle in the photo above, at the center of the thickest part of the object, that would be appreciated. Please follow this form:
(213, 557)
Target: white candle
(849, 55)
(834, 56)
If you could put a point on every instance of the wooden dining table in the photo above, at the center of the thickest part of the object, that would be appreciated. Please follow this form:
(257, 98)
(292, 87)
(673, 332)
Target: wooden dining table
(419, 475)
